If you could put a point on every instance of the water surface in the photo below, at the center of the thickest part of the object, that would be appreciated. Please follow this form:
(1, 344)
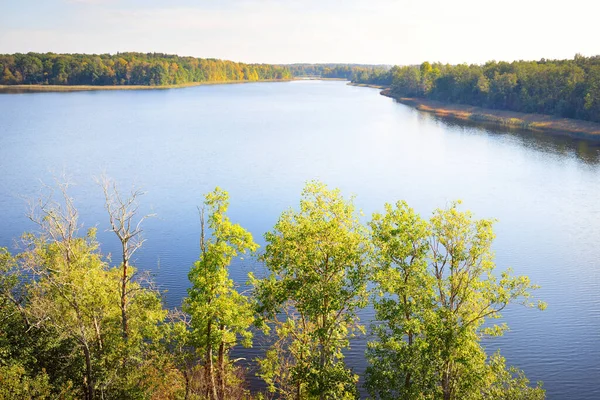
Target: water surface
(263, 141)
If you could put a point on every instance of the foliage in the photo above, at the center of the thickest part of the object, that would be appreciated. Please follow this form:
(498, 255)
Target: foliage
(434, 288)
(318, 264)
(154, 69)
(15, 384)
(220, 315)
(61, 315)
(565, 88)
(338, 71)
(437, 288)
(509, 383)
(404, 303)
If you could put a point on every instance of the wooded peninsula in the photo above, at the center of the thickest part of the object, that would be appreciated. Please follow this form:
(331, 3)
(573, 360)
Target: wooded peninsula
(560, 88)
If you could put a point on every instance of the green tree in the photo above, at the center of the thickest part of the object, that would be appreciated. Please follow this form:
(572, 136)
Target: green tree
(438, 287)
(404, 302)
(28, 352)
(318, 260)
(220, 315)
(509, 383)
(15, 384)
(73, 295)
(71, 291)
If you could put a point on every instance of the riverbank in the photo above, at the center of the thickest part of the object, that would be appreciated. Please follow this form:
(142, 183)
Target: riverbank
(367, 85)
(79, 88)
(317, 78)
(535, 122)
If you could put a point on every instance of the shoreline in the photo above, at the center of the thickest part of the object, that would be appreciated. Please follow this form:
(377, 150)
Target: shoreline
(316, 78)
(533, 122)
(15, 89)
(368, 85)
(20, 89)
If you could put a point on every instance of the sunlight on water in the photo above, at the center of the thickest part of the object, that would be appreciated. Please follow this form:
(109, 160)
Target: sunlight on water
(262, 142)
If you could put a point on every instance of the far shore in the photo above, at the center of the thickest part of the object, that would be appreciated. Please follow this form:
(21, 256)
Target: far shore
(316, 78)
(535, 122)
(79, 88)
(367, 85)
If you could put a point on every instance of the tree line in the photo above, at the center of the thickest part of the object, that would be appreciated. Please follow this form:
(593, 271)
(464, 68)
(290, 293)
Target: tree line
(339, 71)
(154, 69)
(564, 88)
(75, 324)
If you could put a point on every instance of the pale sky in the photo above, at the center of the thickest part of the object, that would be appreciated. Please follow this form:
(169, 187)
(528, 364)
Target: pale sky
(288, 31)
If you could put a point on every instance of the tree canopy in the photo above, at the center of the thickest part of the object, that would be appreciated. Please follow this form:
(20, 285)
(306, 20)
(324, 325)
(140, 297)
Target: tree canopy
(432, 283)
(564, 88)
(153, 69)
(435, 289)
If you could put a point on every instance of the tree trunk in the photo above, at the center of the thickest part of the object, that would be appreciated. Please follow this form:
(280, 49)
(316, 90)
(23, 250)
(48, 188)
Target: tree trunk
(446, 387)
(221, 367)
(186, 376)
(124, 294)
(410, 338)
(98, 335)
(407, 382)
(324, 356)
(322, 363)
(89, 380)
(210, 375)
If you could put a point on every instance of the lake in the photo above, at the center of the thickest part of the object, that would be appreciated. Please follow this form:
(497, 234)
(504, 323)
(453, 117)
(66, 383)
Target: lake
(261, 142)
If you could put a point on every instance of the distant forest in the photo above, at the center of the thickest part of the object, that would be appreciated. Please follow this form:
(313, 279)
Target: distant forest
(154, 69)
(564, 88)
(341, 71)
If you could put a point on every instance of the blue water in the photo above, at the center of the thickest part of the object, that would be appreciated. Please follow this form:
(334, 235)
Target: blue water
(263, 141)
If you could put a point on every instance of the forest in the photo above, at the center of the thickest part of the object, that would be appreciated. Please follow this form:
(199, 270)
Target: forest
(563, 88)
(153, 69)
(339, 71)
(76, 324)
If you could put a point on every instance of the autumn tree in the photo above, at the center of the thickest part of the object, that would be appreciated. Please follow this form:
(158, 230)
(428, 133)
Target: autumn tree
(127, 69)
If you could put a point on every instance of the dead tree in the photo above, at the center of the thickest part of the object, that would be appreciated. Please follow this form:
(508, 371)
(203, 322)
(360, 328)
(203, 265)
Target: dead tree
(124, 222)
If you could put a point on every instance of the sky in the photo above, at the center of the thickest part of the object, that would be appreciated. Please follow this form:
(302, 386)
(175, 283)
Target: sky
(288, 31)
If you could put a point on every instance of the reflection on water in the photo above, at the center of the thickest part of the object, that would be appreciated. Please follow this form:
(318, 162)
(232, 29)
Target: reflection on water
(555, 143)
(262, 142)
